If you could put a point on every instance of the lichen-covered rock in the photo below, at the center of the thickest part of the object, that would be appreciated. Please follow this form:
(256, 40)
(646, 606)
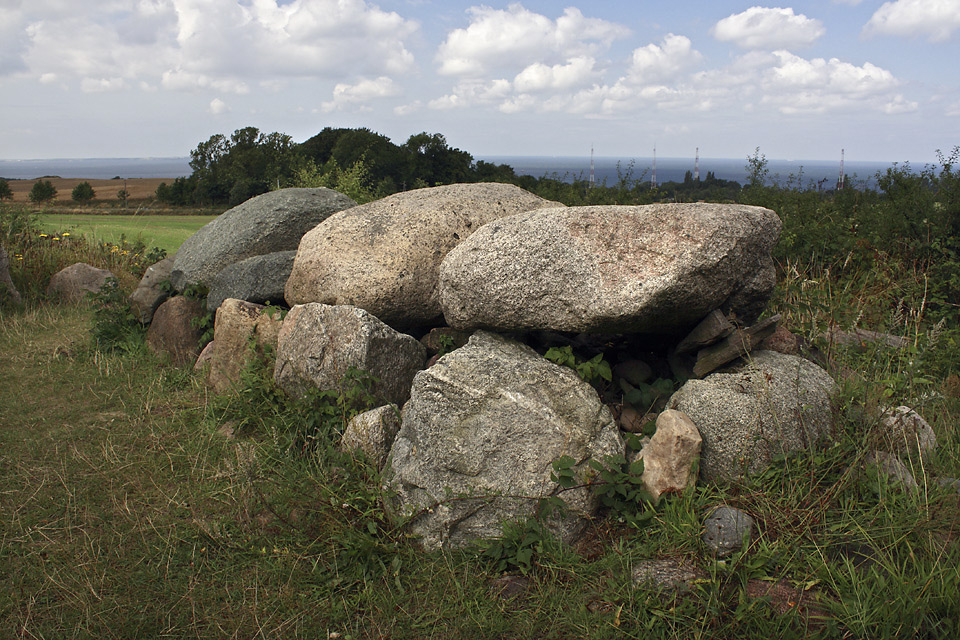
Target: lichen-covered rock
(242, 331)
(269, 223)
(384, 256)
(319, 343)
(478, 439)
(151, 292)
(774, 404)
(259, 279)
(73, 283)
(612, 269)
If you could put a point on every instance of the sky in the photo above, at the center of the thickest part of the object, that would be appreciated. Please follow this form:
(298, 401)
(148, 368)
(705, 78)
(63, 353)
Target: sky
(798, 80)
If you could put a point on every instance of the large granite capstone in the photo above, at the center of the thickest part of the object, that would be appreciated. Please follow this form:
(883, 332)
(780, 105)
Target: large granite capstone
(384, 256)
(612, 269)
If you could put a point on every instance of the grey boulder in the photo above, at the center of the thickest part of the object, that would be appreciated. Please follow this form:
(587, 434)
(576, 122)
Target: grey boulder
(385, 256)
(258, 279)
(612, 269)
(775, 404)
(269, 223)
(478, 438)
(318, 344)
(73, 283)
(151, 292)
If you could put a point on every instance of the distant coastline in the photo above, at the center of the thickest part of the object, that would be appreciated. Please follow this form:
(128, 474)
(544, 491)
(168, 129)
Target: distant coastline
(563, 167)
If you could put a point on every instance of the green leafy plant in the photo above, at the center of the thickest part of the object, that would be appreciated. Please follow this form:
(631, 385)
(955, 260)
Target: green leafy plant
(645, 396)
(591, 371)
(206, 322)
(519, 547)
(115, 325)
(446, 343)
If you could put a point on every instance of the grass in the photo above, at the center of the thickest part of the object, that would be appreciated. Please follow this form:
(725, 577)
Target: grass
(128, 510)
(163, 231)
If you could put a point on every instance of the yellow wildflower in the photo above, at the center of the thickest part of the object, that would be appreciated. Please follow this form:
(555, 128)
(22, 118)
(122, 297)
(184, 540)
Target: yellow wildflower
(65, 234)
(43, 235)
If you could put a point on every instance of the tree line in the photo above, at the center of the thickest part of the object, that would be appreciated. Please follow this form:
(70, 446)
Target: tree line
(358, 162)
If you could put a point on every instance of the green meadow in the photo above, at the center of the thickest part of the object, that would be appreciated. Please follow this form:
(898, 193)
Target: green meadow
(162, 231)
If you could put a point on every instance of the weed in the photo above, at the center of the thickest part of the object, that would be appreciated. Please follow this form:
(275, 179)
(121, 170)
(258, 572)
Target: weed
(591, 371)
(115, 326)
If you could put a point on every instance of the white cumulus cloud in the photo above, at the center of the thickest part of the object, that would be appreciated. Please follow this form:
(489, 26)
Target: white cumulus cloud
(218, 107)
(196, 44)
(798, 85)
(359, 94)
(539, 77)
(657, 62)
(934, 19)
(517, 37)
(768, 28)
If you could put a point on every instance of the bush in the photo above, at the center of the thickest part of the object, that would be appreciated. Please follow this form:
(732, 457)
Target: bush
(6, 193)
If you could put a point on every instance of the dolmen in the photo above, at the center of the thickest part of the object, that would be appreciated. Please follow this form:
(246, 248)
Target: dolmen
(467, 438)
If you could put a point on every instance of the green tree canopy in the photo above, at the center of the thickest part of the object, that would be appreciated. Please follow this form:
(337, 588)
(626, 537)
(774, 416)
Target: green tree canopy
(6, 193)
(82, 193)
(42, 191)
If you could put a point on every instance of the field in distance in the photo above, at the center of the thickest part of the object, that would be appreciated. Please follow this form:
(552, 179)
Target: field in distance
(104, 190)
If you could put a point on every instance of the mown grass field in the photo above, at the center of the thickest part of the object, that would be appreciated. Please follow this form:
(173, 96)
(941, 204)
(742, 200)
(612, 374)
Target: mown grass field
(162, 231)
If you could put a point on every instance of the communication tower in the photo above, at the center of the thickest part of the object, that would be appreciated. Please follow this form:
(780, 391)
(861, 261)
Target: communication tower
(653, 176)
(593, 174)
(696, 166)
(840, 179)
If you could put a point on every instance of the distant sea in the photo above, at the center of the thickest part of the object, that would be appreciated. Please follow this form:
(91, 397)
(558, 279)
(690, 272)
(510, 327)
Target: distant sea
(564, 167)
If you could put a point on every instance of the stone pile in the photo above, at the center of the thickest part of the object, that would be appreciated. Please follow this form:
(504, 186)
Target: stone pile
(671, 295)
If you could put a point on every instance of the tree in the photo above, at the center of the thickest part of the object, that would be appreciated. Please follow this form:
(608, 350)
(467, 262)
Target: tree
(83, 193)
(6, 193)
(122, 196)
(757, 169)
(435, 162)
(42, 191)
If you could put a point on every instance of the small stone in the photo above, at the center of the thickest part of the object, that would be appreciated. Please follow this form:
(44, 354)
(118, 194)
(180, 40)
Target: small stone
(726, 530)
(636, 372)
(782, 341)
(890, 465)
(373, 432)
(670, 460)
(667, 574)
(907, 432)
(174, 330)
(949, 483)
